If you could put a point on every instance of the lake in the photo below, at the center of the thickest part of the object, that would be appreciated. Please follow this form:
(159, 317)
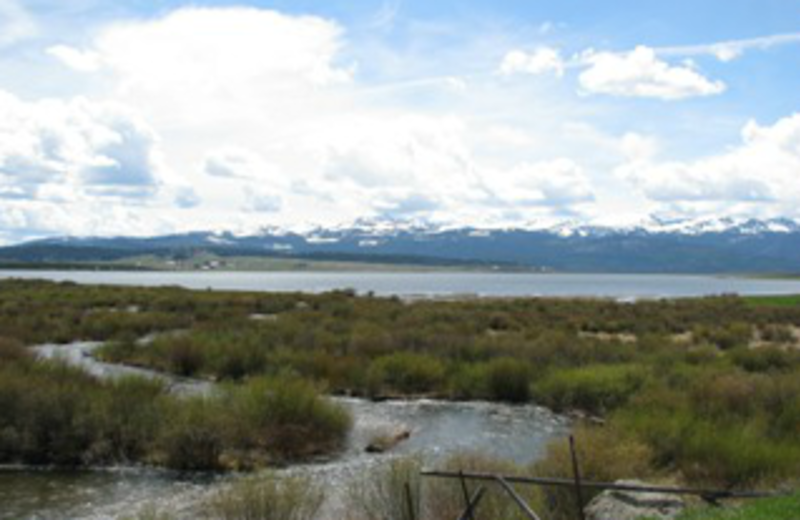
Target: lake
(439, 284)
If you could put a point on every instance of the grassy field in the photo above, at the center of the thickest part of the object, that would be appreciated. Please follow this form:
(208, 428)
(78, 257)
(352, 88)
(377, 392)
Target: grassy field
(774, 301)
(208, 261)
(700, 391)
(783, 508)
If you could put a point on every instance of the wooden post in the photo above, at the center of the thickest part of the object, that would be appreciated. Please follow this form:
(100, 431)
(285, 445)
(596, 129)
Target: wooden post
(469, 512)
(576, 472)
(518, 499)
(410, 502)
(467, 501)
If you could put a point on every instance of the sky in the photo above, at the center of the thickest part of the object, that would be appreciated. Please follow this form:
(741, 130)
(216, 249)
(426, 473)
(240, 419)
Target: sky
(145, 118)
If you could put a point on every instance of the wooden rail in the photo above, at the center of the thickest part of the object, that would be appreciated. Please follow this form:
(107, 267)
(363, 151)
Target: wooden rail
(592, 484)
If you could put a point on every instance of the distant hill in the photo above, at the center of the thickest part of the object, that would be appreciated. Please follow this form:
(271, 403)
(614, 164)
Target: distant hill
(709, 246)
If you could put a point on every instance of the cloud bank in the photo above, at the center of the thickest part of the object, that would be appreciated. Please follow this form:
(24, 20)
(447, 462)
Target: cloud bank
(238, 117)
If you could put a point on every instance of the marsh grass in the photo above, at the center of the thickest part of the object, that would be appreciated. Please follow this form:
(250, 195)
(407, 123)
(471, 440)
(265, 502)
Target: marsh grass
(709, 385)
(266, 497)
(381, 494)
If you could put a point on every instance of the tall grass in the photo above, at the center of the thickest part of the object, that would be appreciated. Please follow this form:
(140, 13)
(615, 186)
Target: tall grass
(382, 493)
(266, 497)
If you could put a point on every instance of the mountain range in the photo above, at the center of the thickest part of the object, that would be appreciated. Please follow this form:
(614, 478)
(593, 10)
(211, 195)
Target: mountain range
(722, 245)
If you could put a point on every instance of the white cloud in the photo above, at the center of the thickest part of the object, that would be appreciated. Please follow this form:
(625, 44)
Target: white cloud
(262, 201)
(84, 61)
(557, 182)
(222, 48)
(262, 118)
(640, 73)
(237, 162)
(540, 61)
(726, 51)
(762, 170)
(72, 147)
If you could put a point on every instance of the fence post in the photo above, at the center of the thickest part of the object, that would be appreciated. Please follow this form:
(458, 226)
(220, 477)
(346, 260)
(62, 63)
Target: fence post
(468, 512)
(518, 499)
(577, 475)
(472, 504)
(410, 502)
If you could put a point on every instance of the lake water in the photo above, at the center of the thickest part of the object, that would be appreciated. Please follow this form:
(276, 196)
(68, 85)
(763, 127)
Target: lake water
(440, 284)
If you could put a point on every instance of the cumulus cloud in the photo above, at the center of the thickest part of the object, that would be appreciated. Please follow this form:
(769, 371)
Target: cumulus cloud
(217, 51)
(237, 162)
(640, 73)
(187, 198)
(262, 201)
(423, 153)
(560, 182)
(262, 119)
(761, 170)
(540, 61)
(70, 147)
(84, 61)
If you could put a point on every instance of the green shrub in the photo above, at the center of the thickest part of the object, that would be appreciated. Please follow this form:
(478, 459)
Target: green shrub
(406, 373)
(193, 437)
(726, 337)
(183, 356)
(765, 359)
(286, 417)
(468, 381)
(595, 389)
(508, 380)
(126, 417)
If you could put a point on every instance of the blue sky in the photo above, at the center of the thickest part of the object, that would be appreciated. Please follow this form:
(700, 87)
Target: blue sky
(135, 117)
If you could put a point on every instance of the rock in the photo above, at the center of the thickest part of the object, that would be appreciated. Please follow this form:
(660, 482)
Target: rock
(385, 442)
(633, 505)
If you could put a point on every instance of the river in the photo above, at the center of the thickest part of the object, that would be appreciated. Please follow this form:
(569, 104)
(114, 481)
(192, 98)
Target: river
(439, 430)
(439, 284)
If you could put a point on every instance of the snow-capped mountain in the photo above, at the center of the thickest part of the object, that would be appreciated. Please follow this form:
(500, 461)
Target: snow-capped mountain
(652, 245)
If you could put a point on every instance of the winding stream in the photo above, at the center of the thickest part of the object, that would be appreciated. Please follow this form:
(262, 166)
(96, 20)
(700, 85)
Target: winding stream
(439, 429)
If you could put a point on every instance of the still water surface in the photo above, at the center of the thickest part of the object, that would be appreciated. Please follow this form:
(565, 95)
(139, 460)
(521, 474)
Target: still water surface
(619, 286)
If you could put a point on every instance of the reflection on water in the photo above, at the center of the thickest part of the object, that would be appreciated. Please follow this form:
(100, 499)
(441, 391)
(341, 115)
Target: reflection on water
(411, 285)
(101, 494)
(438, 429)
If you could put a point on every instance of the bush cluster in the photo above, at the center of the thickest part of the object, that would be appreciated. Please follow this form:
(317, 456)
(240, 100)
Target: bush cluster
(57, 415)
